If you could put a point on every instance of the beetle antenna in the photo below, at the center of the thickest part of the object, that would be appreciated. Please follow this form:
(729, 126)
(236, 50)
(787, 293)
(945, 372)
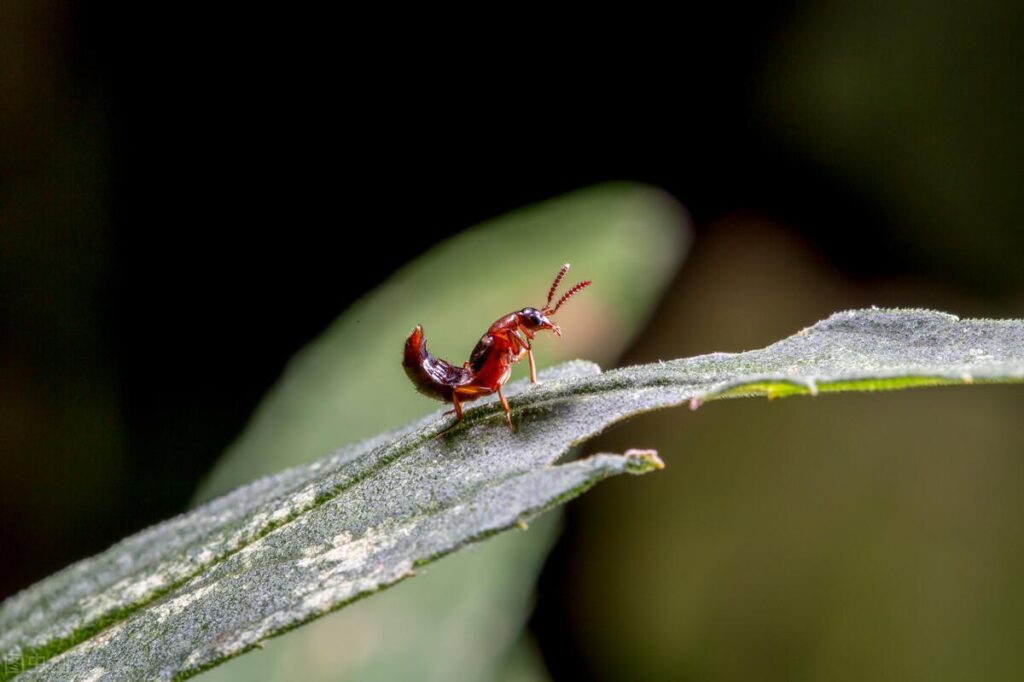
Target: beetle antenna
(570, 293)
(554, 285)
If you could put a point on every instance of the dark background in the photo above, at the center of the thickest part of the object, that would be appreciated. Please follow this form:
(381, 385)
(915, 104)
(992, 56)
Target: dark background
(190, 195)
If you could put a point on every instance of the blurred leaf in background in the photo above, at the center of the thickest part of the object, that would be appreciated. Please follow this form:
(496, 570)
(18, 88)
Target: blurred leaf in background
(462, 620)
(917, 104)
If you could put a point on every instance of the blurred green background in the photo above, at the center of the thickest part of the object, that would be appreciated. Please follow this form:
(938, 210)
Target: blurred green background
(187, 201)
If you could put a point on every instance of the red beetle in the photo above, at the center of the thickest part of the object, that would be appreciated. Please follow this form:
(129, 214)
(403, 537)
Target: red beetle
(490, 364)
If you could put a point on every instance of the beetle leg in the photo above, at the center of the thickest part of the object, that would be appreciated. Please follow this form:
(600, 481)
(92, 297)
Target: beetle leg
(472, 393)
(458, 415)
(508, 413)
(529, 354)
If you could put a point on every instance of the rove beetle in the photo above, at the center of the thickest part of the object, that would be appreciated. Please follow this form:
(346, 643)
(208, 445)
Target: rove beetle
(490, 364)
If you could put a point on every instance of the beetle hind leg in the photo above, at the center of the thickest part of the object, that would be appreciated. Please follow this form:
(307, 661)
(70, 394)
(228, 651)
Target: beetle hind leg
(457, 409)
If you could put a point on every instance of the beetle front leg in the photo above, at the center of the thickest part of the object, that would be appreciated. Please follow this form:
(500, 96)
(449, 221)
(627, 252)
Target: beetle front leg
(508, 412)
(529, 353)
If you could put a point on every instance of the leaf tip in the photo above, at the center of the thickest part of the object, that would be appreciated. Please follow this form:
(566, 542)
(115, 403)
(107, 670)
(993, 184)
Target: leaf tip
(642, 461)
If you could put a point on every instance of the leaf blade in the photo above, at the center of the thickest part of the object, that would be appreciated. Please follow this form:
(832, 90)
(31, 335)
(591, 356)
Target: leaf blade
(876, 349)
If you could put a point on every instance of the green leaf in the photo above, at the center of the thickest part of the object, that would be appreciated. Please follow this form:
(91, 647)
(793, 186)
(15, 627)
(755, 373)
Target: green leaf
(213, 583)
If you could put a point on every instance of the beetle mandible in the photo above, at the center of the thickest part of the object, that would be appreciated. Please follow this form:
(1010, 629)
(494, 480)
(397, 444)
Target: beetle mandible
(490, 364)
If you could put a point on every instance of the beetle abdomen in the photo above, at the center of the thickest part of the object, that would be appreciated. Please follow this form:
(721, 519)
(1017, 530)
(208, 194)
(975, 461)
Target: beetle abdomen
(433, 377)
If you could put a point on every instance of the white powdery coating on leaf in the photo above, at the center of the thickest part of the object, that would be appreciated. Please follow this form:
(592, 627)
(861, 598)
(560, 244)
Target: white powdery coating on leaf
(134, 590)
(347, 553)
(172, 607)
(95, 675)
(327, 598)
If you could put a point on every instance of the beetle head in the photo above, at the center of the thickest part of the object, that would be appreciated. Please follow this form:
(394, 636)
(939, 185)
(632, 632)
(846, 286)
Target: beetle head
(532, 321)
